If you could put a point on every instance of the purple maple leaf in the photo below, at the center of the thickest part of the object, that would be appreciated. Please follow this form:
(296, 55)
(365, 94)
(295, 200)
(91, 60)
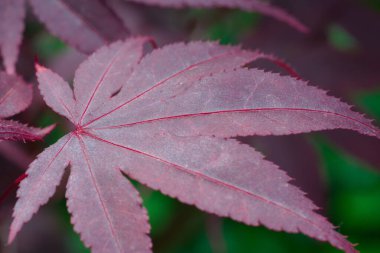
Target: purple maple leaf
(165, 119)
(12, 14)
(15, 96)
(89, 24)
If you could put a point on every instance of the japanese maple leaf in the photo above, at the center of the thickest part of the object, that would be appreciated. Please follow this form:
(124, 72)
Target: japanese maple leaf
(12, 14)
(165, 120)
(15, 96)
(76, 22)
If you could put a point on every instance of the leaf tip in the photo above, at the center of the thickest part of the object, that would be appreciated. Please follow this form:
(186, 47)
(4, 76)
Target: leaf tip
(10, 70)
(46, 130)
(11, 236)
(39, 68)
(303, 28)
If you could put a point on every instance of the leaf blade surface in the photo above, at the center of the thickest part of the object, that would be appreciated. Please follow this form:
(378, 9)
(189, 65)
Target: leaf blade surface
(163, 119)
(12, 14)
(43, 176)
(109, 218)
(78, 22)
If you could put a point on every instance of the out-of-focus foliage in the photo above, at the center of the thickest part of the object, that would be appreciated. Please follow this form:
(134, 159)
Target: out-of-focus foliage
(340, 39)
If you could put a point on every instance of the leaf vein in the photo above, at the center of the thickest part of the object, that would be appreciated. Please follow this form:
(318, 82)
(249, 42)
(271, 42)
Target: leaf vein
(212, 179)
(83, 147)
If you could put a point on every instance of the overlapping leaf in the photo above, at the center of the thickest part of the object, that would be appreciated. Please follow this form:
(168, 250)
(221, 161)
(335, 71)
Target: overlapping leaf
(12, 14)
(85, 25)
(15, 96)
(89, 24)
(252, 5)
(164, 119)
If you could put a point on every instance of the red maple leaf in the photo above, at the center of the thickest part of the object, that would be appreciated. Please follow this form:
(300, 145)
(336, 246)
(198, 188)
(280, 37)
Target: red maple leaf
(166, 119)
